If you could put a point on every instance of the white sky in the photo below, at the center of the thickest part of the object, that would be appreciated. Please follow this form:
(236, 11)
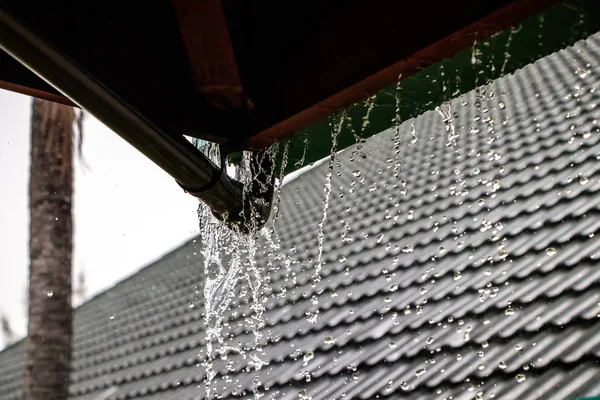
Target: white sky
(127, 211)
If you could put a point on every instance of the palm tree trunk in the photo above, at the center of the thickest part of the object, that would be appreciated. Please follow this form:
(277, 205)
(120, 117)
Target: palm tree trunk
(48, 344)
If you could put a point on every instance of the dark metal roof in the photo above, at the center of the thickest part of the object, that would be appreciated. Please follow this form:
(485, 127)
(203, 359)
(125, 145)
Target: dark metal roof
(391, 311)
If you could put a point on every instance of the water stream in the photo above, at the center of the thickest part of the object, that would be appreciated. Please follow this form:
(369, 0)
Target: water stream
(312, 314)
(229, 258)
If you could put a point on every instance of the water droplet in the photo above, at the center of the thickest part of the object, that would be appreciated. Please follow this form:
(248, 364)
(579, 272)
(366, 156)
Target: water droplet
(583, 73)
(389, 386)
(342, 259)
(380, 237)
(518, 347)
(357, 173)
(422, 291)
(112, 316)
(520, 378)
(191, 305)
(551, 251)
(509, 311)
(583, 181)
(307, 357)
(408, 249)
(457, 275)
(329, 340)
(502, 105)
(393, 345)
(303, 395)
(404, 386)
(393, 288)
(49, 293)
(443, 250)
(413, 135)
(502, 365)
(429, 340)
(420, 371)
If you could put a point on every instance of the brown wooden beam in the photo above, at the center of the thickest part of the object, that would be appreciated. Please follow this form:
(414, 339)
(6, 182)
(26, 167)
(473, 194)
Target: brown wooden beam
(206, 37)
(13, 87)
(507, 16)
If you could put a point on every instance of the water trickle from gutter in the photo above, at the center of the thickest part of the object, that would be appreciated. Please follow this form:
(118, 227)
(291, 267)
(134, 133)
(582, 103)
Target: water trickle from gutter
(232, 277)
(312, 314)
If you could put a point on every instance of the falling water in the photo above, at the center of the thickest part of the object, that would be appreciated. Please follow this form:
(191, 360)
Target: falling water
(397, 116)
(370, 104)
(229, 257)
(507, 56)
(542, 20)
(445, 111)
(223, 272)
(276, 200)
(476, 61)
(316, 278)
(300, 162)
(220, 281)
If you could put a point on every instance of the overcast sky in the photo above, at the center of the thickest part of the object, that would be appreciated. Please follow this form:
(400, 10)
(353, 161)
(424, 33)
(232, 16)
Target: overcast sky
(128, 212)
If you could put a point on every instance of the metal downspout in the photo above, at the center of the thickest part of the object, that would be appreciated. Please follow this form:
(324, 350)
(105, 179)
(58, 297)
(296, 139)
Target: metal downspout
(173, 153)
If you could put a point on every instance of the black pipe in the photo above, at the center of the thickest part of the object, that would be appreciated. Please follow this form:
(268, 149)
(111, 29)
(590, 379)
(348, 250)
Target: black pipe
(173, 153)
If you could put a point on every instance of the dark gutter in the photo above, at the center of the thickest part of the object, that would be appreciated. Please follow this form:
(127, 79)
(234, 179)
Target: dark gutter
(173, 153)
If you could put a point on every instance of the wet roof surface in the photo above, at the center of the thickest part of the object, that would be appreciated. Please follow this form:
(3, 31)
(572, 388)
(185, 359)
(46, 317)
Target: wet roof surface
(446, 273)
